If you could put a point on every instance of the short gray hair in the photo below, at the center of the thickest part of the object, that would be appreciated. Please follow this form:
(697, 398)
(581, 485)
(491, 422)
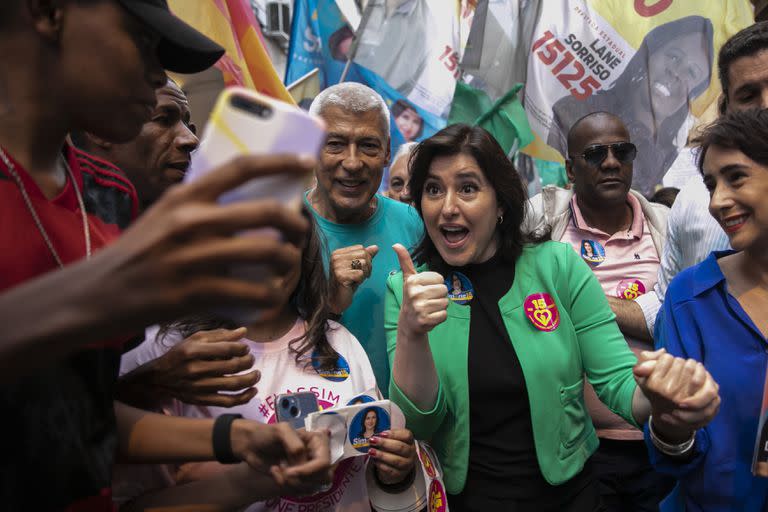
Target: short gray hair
(404, 150)
(351, 97)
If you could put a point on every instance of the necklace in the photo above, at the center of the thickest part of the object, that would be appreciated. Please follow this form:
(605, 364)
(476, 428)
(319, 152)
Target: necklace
(86, 231)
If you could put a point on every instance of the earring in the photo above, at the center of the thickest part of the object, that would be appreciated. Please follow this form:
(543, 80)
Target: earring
(500, 219)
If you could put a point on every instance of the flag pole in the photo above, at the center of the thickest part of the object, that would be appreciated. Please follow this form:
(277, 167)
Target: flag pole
(356, 39)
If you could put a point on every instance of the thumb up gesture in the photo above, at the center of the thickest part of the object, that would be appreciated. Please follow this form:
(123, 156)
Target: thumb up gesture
(425, 297)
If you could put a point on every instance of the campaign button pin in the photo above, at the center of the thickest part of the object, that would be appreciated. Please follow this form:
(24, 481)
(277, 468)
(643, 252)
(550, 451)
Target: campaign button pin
(337, 373)
(426, 462)
(460, 289)
(438, 501)
(541, 310)
(630, 289)
(593, 252)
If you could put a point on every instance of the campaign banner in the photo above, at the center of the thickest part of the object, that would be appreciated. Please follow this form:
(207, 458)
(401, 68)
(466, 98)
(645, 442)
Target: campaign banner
(321, 37)
(414, 46)
(651, 63)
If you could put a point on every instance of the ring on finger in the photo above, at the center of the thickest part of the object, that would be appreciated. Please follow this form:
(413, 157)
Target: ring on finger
(357, 264)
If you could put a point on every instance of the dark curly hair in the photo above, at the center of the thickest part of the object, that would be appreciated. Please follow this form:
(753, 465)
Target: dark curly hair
(498, 169)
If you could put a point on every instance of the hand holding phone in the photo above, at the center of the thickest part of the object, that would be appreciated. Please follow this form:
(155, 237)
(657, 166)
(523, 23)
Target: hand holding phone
(244, 122)
(294, 407)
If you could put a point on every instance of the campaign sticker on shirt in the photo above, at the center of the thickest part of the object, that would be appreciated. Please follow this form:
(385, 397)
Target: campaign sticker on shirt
(337, 373)
(366, 424)
(426, 462)
(541, 310)
(361, 399)
(437, 499)
(592, 252)
(460, 288)
(630, 289)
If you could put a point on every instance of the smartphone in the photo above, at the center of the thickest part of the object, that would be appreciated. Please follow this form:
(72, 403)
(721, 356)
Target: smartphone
(246, 122)
(294, 407)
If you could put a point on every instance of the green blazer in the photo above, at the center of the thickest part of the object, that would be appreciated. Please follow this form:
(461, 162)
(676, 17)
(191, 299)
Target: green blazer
(586, 340)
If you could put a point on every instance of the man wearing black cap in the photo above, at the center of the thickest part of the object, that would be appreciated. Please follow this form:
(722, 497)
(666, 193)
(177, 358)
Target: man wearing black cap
(93, 66)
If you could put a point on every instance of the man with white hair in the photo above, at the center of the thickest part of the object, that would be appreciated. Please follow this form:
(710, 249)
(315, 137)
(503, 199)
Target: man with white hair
(358, 223)
(399, 175)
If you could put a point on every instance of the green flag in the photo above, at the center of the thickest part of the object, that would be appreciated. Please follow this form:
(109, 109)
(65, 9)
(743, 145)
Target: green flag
(505, 119)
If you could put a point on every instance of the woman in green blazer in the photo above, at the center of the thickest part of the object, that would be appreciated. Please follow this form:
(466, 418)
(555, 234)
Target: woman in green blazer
(493, 375)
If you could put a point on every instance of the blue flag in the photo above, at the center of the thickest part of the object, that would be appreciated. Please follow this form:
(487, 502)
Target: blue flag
(321, 38)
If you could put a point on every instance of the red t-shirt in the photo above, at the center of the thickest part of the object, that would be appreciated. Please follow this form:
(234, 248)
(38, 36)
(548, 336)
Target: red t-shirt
(59, 422)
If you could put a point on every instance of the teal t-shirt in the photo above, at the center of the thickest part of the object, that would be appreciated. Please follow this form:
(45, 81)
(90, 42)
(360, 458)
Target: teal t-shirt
(393, 222)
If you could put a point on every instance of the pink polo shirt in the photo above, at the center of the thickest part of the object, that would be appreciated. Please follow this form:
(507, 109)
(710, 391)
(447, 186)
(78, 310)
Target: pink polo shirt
(626, 264)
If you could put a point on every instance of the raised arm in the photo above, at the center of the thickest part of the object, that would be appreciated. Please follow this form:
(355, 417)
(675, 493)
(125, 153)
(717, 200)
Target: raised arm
(168, 264)
(424, 305)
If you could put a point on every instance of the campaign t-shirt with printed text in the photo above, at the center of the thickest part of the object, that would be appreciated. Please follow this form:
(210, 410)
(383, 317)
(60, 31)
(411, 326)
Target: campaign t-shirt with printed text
(280, 374)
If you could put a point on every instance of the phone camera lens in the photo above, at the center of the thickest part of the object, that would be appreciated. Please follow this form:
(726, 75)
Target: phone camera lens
(285, 403)
(253, 107)
(294, 411)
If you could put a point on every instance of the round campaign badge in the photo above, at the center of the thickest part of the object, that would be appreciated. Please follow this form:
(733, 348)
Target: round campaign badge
(361, 399)
(630, 289)
(592, 252)
(426, 462)
(365, 424)
(541, 310)
(437, 499)
(460, 290)
(337, 373)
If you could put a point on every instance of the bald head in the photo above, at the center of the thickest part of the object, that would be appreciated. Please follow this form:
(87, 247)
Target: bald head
(595, 122)
(600, 162)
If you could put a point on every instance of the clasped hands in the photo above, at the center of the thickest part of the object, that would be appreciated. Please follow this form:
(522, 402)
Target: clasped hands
(682, 394)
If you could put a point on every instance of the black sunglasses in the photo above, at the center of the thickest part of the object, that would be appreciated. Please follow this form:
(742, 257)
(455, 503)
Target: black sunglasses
(624, 152)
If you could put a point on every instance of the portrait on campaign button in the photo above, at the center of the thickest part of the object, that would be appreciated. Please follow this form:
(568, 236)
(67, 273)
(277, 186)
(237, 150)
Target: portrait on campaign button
(337, 373)
(593, 252)
(366, 424)
(460, 288)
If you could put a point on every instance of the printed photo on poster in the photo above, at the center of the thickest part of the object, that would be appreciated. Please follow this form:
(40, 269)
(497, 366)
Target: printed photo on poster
(672, 67)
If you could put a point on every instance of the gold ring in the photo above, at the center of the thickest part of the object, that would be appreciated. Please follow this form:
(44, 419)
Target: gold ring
(357, 265)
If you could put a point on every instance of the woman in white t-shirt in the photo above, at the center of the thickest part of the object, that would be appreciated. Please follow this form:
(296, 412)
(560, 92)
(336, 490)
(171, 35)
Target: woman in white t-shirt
(300, 349)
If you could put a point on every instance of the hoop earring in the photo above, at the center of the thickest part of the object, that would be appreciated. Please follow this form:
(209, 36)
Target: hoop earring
(500, 219)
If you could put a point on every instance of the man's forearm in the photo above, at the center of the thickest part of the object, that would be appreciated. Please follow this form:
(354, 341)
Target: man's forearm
(630, 317)
(233, 488)
(138, 388)
(145, 437)
(48, 317)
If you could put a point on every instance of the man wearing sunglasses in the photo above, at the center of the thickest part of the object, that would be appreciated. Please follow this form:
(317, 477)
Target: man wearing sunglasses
(620, 235)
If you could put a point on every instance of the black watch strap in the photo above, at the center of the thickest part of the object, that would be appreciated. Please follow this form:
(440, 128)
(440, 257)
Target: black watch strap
(222, 438)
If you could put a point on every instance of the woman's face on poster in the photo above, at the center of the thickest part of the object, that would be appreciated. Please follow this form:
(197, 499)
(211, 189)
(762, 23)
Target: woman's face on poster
(676, 68)
(409, 123)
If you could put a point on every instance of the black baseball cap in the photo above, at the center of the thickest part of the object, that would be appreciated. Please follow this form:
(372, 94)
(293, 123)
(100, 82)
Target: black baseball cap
(182, 49)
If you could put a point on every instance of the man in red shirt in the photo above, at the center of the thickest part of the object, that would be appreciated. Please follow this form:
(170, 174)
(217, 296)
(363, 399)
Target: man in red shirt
(93, 66)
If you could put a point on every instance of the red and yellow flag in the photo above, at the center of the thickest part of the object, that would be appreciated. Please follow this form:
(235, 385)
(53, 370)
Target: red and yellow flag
(232, 24)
